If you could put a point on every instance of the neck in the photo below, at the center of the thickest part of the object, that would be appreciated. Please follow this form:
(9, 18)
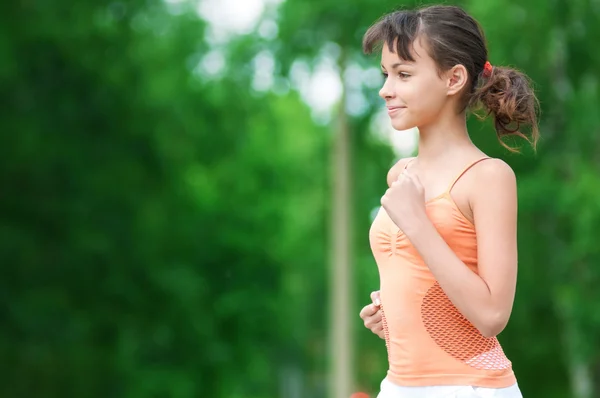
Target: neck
(445, 139)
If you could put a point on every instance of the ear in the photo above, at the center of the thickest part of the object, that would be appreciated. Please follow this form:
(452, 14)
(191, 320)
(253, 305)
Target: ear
(457, 78)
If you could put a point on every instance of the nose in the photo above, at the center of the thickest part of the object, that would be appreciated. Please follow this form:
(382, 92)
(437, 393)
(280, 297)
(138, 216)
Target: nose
(386, 91)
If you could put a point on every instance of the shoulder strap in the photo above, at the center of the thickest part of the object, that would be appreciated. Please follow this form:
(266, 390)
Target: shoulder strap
(465, 170)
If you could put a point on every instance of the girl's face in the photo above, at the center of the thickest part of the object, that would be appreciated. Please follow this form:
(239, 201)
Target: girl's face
(414, 92)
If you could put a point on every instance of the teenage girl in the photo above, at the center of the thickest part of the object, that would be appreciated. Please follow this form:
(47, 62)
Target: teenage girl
(445, 238)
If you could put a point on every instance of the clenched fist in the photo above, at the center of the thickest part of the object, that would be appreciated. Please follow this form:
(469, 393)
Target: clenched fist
(371, 315)
(404, 201)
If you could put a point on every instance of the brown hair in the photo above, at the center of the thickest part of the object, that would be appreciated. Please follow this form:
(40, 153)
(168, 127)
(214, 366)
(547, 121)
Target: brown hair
(455, 38)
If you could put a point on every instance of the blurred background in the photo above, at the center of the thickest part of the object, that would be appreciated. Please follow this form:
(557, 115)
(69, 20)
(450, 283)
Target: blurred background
(188, 189)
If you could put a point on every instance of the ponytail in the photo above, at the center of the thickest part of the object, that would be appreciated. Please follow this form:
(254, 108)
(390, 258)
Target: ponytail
(507, 94)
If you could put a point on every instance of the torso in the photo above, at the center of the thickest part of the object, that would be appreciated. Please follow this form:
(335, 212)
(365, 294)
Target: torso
(429, 342)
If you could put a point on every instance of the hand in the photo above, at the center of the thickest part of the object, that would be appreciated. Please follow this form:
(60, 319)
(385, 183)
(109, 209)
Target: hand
(404, 201)
(371, 315)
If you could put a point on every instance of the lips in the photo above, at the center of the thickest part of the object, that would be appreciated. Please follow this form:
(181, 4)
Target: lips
(394, 109)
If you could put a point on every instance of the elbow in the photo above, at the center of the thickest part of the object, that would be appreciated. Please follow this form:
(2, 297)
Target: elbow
(494, 325)
(491, 331)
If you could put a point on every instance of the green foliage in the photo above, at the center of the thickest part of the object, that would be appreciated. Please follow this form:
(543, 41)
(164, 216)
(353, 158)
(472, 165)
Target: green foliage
(165, 233)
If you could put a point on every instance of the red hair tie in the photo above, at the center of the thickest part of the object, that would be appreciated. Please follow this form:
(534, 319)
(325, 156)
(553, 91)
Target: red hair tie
(487, 69)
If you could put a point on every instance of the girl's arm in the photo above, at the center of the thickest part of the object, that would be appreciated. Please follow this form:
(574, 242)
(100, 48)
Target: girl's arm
(486, 299)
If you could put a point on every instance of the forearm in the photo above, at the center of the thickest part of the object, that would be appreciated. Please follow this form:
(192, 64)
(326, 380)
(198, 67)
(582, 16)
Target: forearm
(468, 292)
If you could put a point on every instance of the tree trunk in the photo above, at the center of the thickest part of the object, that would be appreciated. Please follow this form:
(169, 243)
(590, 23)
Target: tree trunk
(341, 353)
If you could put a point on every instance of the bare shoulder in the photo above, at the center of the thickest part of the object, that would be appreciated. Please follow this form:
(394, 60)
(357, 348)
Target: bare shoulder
(396, 169)
(494, 182)
(495, 172)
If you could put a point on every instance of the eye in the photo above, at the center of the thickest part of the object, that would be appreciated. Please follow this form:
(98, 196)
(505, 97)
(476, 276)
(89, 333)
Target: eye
(385, 75)
(403, 75)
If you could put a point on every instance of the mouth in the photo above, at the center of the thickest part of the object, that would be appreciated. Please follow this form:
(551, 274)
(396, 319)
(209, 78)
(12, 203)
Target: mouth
(394, 109)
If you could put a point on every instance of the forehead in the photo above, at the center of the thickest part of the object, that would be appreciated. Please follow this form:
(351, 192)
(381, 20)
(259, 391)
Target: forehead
(418, 51)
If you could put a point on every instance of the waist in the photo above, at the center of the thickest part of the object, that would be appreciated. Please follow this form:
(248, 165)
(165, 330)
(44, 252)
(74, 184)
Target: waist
(430, 342)
(392, 390)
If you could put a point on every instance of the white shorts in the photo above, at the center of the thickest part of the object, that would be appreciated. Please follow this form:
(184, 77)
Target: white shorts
(390, 390)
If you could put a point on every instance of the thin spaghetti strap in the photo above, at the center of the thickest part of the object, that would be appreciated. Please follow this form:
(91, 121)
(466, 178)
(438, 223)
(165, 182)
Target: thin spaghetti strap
(465, 170)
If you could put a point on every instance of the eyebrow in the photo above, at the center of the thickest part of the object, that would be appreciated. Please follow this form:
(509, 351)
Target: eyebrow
(397, 64)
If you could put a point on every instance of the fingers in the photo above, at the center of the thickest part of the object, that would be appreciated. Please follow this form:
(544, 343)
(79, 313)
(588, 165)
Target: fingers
(368, 311)
(373, 320)
(401, 175)
(371, 315)
(413, 178)
(378, 330)
(375, 298)
(405, 177)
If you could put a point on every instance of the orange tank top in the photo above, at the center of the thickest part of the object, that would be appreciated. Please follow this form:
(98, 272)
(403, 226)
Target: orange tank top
(429, 342)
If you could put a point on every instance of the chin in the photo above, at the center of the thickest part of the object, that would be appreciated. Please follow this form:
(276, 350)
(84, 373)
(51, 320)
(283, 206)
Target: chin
(402, 125)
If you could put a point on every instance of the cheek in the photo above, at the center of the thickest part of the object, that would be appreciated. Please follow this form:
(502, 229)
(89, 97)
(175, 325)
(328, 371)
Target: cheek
(429, 95)
(414, 89)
